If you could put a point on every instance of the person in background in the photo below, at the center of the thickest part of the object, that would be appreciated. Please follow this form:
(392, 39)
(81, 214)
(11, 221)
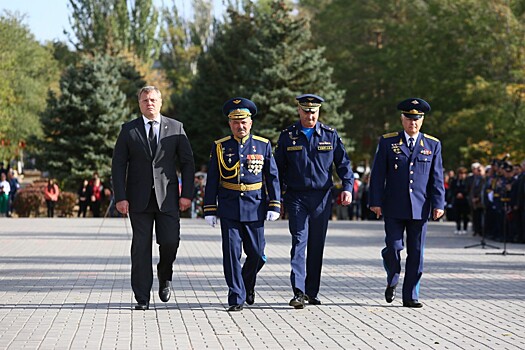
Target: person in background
(84, 198)
(12, 178)
(97, 194)
(5, 188)
(198, 195)
(477, 182)
(51, 193)
(406, 186)
(520, 204)
(459, 192)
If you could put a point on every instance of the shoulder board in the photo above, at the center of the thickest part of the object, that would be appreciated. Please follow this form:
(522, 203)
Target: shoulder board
(327, 127)
(390, 134)
(259, 138)
(223, 139)
(431, 137)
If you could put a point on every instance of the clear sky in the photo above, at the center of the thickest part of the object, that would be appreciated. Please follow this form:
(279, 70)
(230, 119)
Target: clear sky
(47, 19)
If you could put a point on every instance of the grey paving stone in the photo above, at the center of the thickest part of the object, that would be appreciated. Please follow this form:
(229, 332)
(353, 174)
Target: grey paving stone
(64, 284)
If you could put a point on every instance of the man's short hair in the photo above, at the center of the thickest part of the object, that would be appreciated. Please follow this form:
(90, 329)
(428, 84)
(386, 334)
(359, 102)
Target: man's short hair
(148, 89)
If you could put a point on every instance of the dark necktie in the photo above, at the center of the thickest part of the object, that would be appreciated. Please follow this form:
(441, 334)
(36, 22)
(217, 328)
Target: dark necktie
(411, 144)
(152, 139)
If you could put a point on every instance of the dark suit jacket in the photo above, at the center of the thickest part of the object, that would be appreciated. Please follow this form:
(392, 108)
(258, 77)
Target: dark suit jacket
(135, 170)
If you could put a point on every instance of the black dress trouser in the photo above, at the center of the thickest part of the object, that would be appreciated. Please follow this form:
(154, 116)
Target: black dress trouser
(167, 231)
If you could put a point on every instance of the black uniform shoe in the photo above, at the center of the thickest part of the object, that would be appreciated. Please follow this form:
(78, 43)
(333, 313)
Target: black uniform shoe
(390, 293)
(412, 303)
(313, 301)
(250, 297)
(298, 300)
(238, 307)
(164, 290)
(142, 306)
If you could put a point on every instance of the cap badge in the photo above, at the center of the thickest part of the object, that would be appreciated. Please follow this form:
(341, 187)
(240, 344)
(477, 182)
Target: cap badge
(236, 101)
(415, 102)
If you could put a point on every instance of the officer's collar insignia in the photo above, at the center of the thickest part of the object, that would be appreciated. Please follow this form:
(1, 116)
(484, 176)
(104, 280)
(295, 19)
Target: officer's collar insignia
(421, 143)
(236, 101)
(400, 141)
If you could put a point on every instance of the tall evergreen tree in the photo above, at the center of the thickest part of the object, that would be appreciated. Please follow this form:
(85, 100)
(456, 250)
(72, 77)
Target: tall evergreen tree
(267, 56)
(289, 63)
(81, 125)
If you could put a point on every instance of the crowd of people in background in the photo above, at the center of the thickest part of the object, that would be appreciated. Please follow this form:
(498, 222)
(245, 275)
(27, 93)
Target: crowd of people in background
(491, 197)
(9, 185)
(93, 194)
(485, 200)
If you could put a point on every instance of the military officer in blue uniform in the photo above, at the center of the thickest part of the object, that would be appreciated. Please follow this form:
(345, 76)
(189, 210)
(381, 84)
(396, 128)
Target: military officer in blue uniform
(242, 189)
(304, 154)
(406, 184)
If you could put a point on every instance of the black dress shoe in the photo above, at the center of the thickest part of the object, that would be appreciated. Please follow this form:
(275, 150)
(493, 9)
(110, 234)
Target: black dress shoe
(233, 308)
(412, 303)
(298, 300)
(390, 293)
(313, 300)
(142, 306)
(250, 297)
(164, 290)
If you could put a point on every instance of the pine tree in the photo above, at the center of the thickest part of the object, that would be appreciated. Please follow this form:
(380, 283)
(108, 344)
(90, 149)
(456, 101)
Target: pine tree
(266, 56)
(290, 64)
(81, 125)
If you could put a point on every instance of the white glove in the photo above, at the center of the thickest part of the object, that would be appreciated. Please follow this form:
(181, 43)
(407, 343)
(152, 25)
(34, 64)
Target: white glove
(491, 196)
(211, 220)
(272, 215)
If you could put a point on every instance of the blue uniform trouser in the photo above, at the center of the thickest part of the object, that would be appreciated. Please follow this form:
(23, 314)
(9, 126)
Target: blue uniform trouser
(308, 214)
(237, 236)
(416, 231)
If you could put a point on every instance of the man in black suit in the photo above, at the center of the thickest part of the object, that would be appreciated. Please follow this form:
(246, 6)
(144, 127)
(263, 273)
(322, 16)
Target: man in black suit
(146, 186)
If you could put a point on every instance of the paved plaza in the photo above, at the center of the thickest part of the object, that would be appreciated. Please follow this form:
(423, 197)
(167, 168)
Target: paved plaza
(65, 284)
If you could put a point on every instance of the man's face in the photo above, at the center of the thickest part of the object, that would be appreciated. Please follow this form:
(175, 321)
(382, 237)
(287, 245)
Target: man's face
(241, 127)
(150, 104)
(410, 125)
(308, 119)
